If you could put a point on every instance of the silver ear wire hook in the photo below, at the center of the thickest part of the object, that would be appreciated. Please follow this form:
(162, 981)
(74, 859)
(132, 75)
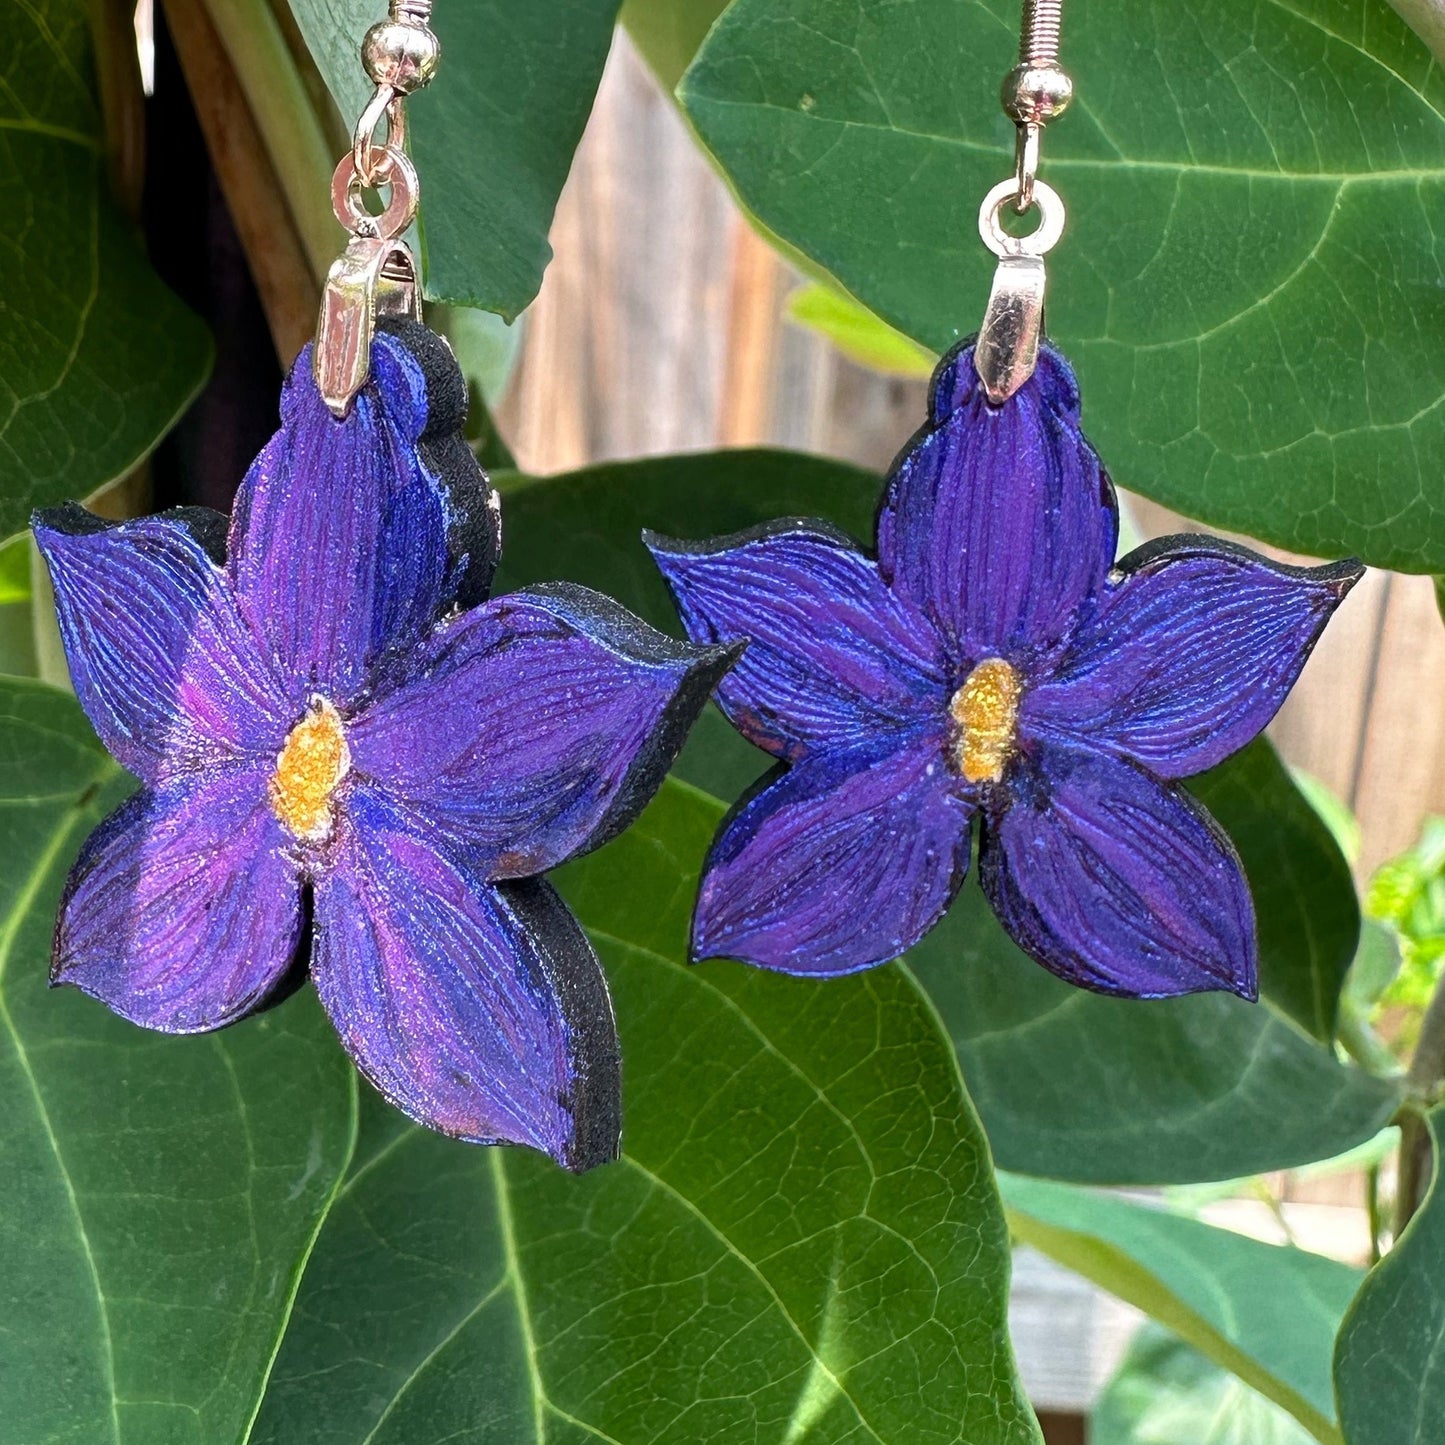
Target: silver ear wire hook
(1033, 93)
(376, 274)
(1035, 90)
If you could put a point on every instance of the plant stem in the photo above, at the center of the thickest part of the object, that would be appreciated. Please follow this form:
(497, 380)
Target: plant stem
(1361, 1042)
(1427, 19)
(302, 158)
(1427, 1069)
(1414, 1168)
(1427, 1066)
(1372, 1205)
(284, 272)
(336, 130)
(122, 100)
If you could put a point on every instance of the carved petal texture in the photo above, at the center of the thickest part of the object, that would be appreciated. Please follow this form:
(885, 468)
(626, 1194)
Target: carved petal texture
(993, 661)
(313, 716)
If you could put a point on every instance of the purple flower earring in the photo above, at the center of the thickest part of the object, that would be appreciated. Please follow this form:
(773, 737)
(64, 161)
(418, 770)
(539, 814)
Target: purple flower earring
(326, 705)
(351, 760)
(992, 662)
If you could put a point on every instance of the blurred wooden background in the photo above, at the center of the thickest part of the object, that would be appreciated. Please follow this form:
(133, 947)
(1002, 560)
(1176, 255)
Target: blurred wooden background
(660, 328)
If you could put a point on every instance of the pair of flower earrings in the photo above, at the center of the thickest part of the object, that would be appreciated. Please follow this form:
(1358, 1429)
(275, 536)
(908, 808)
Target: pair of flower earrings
(356, 764)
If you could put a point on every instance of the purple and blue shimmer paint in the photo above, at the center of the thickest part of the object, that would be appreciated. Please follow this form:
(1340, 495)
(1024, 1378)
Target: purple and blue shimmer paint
(993, 661)
(351, 760)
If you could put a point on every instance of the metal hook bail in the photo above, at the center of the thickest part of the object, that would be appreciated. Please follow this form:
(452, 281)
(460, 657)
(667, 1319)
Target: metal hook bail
(1007, 349)
(1033, 93)
(375, 276)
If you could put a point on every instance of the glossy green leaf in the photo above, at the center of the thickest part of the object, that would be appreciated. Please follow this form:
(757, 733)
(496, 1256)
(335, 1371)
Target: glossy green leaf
(1390, 1355)
(669, 32)
(492, 137)
(801, 1242)
(1307, 913)
(587, 525)
(17, 640)
(97, 357)
(1167, 1393)
(857, 332)
(486, 349)
(1334, 812)
(1249, 281)
(1162, 1092)
(1375, 967)
(1074, 1085)
(158, 1196)
(1266, 1312)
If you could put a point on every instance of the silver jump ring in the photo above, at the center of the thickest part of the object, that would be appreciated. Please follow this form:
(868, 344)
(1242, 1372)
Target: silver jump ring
(1039, 242)
(395, 171)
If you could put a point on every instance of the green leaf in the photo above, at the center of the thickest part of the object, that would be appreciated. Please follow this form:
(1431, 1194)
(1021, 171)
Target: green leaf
(668, 32)
(1390, 1355)
(1304, 897)
(1334, 811)
(1266, 1312)
(802, 1240)
(486, 349)
(1249, 281)
(1375, 968)
(1077, 1086)
(97, 357)
(1165, 1393)
(158, 1196)
(492, 136)
(1165, 1092)
(857, 332)
(587, 525)
(15, 570)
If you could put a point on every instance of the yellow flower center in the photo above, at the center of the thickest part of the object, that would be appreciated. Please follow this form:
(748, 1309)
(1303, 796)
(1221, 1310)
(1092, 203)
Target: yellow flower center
(985, 710)
(308, 769)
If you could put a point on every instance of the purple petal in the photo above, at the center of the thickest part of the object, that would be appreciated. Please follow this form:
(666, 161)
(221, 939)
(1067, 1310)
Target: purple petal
(1117, 882)
(477, 1010)
(167, 671)
(340, 537)
(999, 522)
(1187, 659)
(832, 655)
(183, 912)
(844, 861)
(535, 727)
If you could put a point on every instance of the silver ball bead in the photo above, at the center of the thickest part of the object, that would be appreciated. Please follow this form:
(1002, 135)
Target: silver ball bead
(1034, 94)
(401, 56)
